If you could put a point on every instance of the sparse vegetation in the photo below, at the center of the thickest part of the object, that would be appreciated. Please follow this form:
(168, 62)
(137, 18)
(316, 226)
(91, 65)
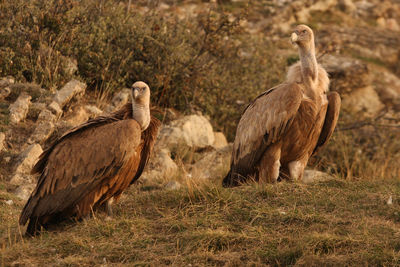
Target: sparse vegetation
(331, 223)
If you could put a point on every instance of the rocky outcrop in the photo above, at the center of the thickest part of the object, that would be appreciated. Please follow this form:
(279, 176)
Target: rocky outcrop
(363, 100)
(189, 132)
(25, 162)
(160, 166)
(73, 88)
(19, 109)
(346, 74)
(213, 165)
(44, 127)
(2, 139)
(314, 176)
(55, 108)
(219, 140)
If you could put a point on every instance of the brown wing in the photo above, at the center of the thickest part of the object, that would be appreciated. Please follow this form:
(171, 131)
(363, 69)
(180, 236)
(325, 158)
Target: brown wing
(149, 137)
(264, 122)
(78, 163)
(331, 118)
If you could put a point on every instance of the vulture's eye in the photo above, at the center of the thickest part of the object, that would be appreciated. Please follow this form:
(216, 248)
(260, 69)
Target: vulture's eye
(304, 31)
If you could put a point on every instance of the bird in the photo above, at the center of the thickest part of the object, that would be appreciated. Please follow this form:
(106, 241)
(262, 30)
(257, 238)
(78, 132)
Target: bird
(284, 126)
(90, 165)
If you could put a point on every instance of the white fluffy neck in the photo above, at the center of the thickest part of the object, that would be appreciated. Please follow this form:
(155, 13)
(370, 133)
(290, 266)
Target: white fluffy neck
(309, 66)
(141, 113)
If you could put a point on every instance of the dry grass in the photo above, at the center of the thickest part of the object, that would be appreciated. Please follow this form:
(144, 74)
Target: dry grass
(329, 223)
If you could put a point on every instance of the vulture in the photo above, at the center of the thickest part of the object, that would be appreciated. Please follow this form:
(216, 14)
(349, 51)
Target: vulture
(92, 164)
(284, 126)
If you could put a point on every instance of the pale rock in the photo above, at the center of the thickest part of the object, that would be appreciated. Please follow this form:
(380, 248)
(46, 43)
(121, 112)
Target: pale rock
(172, 185)
(346, 74)
(6, 81)
(35, 109)
(73, 88)
(9, 202)
(44, 128)
(219, 140)
(313, 176)
(4, 92)
(364, 100)
(192, 131)
(55, 108)
(213, 165)
(390, 200)
(322, 5)
(392, 24)
(19, 179)
(2, 139)
(160, 166)
(19, 109)
(93, 111)
(347, 6)
(24, 191)
(78, 116)
(28, 158)
(387, 85)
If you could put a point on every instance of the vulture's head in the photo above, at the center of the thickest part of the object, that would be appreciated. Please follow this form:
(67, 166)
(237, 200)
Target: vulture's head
(141, 93)
(302, 36)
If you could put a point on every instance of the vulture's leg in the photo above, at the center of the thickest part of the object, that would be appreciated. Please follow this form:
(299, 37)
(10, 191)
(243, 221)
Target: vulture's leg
(268, 171)
(296, 169)
(109, 207)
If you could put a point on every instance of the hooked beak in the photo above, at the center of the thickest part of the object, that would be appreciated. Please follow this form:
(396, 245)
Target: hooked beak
(294, 37)
(135, 93)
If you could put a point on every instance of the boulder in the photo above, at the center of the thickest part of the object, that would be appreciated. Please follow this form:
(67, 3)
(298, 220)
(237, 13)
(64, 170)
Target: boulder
(73, 88)
(189, 132)
(78, 116)
(44, 128)
(387, 85)
(55, 108)
(93, 111)
(19, 109)
(363, 100)
(35, 109)
(346, 74)
(28, 158)
(24, 191)
(313, 176)
(214, 164)
(2, 139)
(160, 166)
(219, 140)
(172, 185)
(4, 92)
(6, 81)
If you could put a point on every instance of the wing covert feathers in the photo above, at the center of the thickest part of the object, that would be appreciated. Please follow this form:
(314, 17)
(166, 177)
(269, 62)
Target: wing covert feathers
(331, 118)
(263, 123)
(102, 155)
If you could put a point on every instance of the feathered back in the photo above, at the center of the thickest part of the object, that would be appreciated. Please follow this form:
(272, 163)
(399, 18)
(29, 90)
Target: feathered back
(149, 135)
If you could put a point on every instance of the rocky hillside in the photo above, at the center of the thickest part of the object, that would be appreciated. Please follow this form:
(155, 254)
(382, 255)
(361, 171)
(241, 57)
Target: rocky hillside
(358, 44)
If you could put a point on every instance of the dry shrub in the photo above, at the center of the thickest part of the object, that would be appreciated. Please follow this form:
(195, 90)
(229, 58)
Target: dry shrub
(370, 151)
(206, 63)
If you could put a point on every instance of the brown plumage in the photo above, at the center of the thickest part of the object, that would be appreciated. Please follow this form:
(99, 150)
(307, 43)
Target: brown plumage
(92, 164)
(284, 126)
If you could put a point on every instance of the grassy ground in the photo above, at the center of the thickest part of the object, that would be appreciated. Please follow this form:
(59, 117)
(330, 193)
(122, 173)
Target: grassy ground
(329, 223)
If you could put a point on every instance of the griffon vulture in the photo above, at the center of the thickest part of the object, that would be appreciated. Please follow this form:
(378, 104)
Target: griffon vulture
(284, 126)
(92, 164)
